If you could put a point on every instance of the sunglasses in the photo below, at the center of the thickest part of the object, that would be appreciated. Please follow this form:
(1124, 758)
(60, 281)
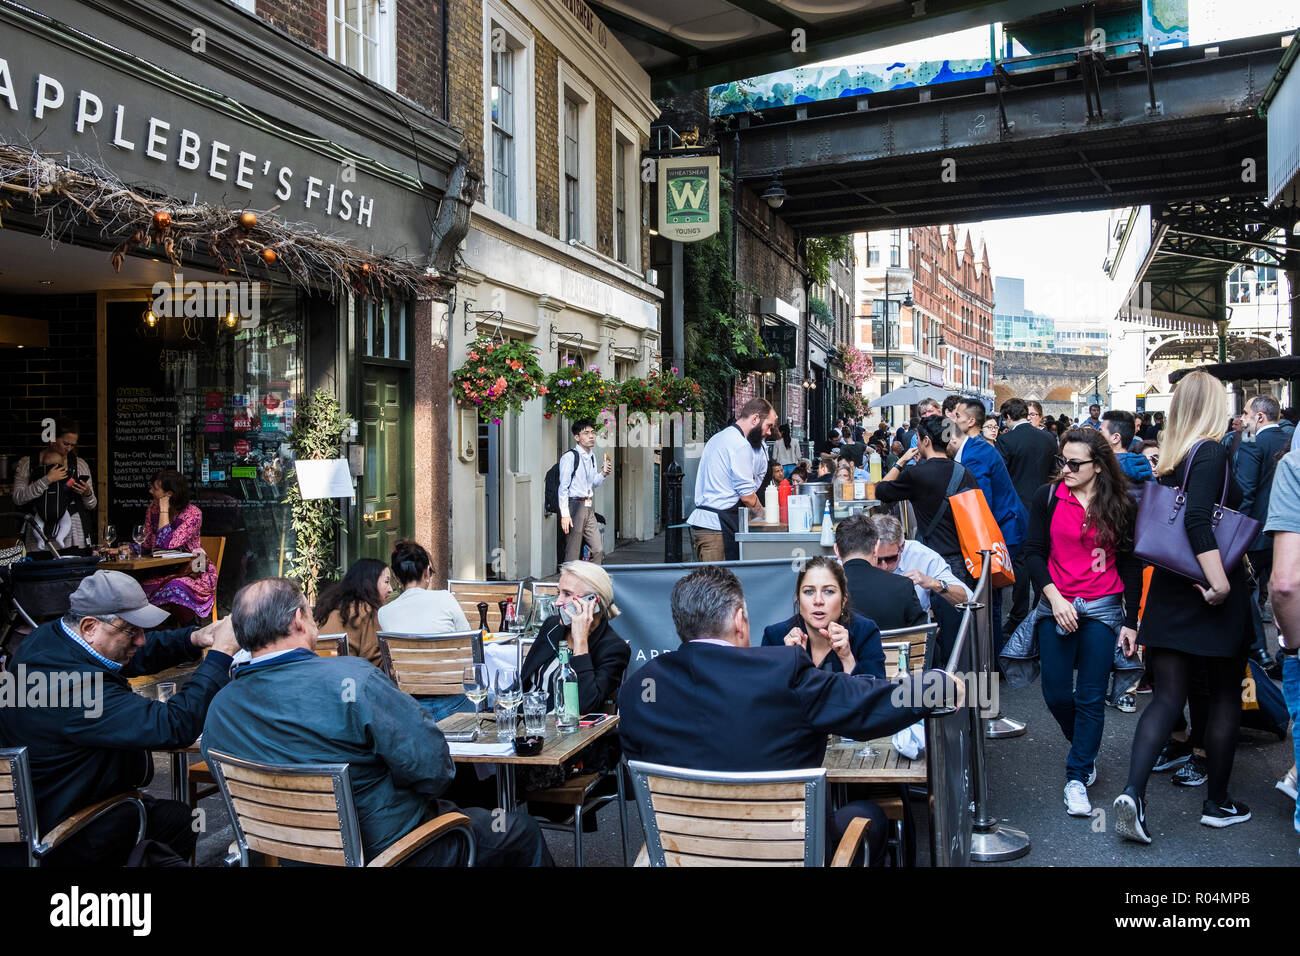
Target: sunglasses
(889, 558)
(1071, 463)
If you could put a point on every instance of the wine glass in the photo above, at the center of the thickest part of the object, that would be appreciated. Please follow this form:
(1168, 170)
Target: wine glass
(867, 752)
(475, 682)
(110, 535)
(137, 535)
(509, 693)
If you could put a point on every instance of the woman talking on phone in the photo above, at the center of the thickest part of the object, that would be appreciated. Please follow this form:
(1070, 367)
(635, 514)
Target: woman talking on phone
(1187, 626)
(1080, 556)
(835, 637)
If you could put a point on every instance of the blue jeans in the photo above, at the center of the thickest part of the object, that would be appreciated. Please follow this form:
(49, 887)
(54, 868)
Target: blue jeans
(1291, 690)
(440, 707)
(1078, 706)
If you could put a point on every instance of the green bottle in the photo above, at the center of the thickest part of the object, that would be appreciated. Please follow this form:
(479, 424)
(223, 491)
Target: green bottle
(566, 693)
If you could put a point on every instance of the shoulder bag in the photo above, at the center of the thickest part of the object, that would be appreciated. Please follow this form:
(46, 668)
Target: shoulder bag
(1161, 538)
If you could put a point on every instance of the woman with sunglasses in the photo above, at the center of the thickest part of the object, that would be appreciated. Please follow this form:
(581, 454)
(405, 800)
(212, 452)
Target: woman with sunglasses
(1187, 627)
(1080, 557)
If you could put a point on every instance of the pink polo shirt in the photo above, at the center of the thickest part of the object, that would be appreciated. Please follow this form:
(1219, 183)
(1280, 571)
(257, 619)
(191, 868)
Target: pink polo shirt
(1072, 556)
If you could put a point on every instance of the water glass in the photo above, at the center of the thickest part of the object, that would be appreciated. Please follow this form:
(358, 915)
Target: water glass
(509, 692)
(166, 691)
(535, 713)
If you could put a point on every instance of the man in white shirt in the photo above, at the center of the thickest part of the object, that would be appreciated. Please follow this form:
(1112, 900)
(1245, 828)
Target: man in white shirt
(579, 479)
(732, 467)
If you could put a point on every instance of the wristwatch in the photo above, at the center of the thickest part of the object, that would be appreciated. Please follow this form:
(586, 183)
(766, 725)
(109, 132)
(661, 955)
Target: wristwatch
(943, 587)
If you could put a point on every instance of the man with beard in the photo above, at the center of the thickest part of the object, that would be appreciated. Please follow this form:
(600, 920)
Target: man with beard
(732, 467)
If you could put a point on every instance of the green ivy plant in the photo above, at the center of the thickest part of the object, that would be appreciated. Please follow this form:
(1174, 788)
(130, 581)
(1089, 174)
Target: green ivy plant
(820, 311)
(317, 433)
(821, 251)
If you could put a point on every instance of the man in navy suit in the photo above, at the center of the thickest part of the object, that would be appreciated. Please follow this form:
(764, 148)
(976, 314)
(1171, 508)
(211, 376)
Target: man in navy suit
(984, 461)
(888, 599)
(718, 704)
(1255, 465)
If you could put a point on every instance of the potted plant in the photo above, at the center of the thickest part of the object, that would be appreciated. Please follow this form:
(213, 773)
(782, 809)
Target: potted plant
(317, 433)
(497, 377)
(579, 393)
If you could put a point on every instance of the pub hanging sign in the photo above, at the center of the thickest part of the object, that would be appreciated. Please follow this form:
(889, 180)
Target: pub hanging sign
(688, 198)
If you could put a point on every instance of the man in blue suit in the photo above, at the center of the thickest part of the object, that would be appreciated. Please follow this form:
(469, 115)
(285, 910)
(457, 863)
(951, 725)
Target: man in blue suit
(716, 703)
(1255, 465)
(985, 462)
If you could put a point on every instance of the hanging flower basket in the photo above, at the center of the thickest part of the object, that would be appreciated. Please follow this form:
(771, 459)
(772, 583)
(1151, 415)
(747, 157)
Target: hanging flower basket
(579, 393)
(858, 366)
(497, 377)
(642, 394)
(680, 393)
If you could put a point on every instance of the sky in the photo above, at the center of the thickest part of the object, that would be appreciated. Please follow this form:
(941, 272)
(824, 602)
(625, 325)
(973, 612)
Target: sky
(1060, 257)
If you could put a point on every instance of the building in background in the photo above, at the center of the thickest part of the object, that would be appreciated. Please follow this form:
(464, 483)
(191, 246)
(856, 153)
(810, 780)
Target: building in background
(556, 115)
(945, 337)
(1016, 328)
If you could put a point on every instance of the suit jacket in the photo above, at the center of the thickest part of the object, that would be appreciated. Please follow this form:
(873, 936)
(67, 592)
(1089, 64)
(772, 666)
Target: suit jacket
(718, 707)
(888, 599)
(864, 640)
(984, 462)
(1255, 465)
(1030, 456)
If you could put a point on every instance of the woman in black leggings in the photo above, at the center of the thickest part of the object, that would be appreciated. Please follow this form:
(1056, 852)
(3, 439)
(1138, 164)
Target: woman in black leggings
(1187, 626)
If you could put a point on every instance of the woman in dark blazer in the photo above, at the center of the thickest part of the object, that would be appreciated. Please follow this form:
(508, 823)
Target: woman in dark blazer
(826, 627)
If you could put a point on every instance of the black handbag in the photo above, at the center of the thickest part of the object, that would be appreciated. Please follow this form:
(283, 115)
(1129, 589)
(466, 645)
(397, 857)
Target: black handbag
(1161, 538)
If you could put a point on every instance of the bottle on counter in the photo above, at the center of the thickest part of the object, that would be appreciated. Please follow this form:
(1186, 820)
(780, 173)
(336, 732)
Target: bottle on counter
(771, 505)
(875, 466)
(784, 490)
(828, 530)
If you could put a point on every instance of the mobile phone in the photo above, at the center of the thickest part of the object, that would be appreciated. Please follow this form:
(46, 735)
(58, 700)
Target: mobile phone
(591, 720)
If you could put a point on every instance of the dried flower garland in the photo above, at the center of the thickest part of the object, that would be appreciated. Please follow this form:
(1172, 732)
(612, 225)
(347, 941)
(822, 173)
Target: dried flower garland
(92, 195)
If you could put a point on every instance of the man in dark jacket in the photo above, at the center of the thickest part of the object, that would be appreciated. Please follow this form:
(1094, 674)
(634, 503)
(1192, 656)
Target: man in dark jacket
(1119, 427)
(1030, 455)
(85, 750)
(888, 599)
(287, 705)
(716, 703)
(1254, 466)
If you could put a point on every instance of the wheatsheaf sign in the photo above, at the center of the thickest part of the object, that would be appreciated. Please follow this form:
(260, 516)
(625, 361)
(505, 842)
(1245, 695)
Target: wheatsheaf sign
(154, 129)
(688, 198)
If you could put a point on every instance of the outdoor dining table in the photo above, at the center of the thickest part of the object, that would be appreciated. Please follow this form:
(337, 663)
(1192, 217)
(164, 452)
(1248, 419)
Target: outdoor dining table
(146, 564)
(556, 749)
(888, 766)
(179, 758)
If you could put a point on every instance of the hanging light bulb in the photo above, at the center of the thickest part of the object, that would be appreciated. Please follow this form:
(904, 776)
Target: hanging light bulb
(231, 320)
(150, 319)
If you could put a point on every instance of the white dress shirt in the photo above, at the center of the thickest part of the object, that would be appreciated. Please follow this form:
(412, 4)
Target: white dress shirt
(730, 469)
(578, 478)
(916, 556)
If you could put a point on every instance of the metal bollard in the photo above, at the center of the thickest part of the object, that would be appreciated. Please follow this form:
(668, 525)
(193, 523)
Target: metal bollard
(991, 842)
(673, 514)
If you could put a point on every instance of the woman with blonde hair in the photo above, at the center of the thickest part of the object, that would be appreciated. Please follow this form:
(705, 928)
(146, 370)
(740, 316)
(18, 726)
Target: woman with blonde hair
(1186, 626)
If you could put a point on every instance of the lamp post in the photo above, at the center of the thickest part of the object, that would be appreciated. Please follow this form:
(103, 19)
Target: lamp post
(907, 301)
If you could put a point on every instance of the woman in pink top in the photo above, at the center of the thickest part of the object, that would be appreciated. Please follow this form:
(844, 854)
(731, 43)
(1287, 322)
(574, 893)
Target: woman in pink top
(1080, 556)
(172, 523)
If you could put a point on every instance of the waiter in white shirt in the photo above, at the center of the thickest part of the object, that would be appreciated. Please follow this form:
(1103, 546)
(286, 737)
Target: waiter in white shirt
(579, 479)
(732, 467)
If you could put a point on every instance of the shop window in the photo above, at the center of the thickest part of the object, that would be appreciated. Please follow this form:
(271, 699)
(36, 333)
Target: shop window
(362, 37)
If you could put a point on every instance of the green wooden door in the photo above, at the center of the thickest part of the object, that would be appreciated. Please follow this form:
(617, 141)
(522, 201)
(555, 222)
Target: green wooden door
(385, 425)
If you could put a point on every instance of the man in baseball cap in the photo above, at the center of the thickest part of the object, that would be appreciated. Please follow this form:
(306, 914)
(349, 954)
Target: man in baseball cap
(85, 750)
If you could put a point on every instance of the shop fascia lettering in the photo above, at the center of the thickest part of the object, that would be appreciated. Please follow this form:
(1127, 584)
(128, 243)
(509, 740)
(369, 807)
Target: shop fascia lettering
(188, 150)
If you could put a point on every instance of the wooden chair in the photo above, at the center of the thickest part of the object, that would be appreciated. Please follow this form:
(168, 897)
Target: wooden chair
(18, 809)
(468, 594)
(430, 665)
(771, 818)
(215, 548)
(331, 645)
(918, 637)
(306, 813)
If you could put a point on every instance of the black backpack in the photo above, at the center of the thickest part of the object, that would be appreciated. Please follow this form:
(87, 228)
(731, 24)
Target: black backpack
(72, 501)
(551, 501)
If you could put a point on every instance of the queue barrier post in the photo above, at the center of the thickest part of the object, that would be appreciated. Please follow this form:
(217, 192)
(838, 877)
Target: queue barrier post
(991, 842)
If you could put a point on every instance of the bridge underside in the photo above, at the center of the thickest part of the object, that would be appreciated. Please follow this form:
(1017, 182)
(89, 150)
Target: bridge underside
(1100, 133)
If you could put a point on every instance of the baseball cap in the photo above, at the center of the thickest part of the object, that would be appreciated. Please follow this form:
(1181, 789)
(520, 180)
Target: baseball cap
(114, 594)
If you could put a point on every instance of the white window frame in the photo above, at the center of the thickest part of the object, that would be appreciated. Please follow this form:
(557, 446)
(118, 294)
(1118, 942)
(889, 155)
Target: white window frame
(519, 36)
(624, 130)
(385, 39)
(572, 86)
(249, 5)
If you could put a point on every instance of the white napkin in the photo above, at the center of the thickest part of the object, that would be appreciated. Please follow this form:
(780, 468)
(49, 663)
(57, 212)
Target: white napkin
(505, 748)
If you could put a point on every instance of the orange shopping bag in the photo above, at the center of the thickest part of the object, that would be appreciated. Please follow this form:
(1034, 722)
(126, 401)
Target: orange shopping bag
(977, 532)
(1146, 586)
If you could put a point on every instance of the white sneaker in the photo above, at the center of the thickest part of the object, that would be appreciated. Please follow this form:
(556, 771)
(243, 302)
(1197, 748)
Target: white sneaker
(1288, 783)
(1092, 776)
(1076, 799)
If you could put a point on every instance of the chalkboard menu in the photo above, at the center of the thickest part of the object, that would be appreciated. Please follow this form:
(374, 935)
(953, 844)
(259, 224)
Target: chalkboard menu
(215, 403)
